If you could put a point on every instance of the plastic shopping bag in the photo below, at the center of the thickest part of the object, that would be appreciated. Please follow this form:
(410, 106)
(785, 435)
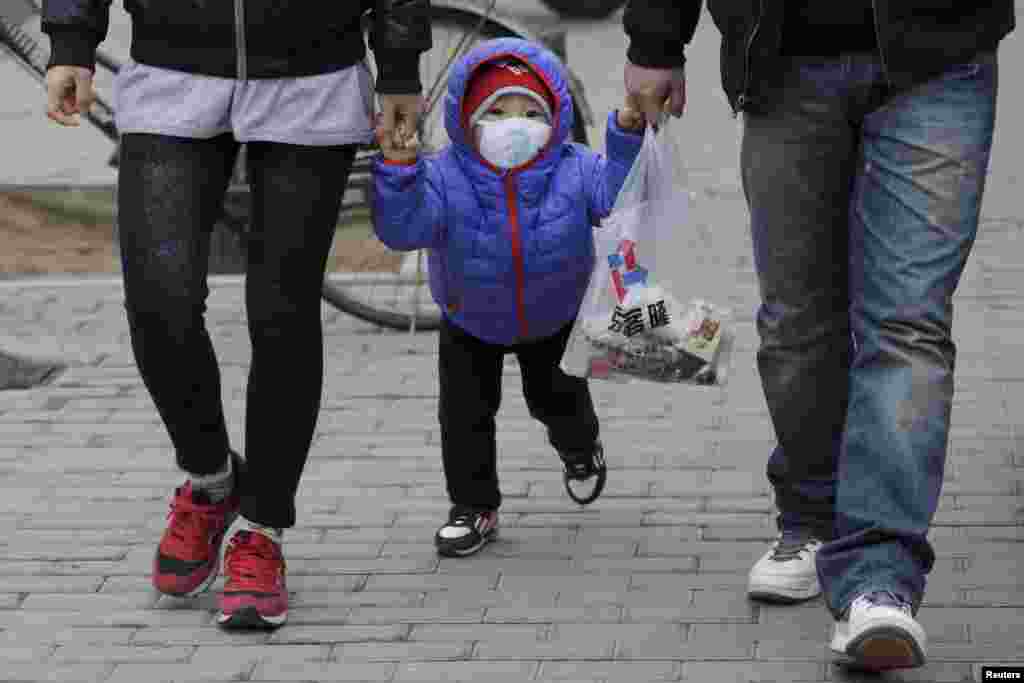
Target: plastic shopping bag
(633, 323)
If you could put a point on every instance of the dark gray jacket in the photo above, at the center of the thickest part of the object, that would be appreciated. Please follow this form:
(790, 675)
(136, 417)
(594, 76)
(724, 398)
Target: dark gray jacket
(917, 39)
(251, 38)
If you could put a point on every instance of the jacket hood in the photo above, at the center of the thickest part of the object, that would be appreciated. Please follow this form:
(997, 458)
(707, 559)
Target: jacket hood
(540, 59)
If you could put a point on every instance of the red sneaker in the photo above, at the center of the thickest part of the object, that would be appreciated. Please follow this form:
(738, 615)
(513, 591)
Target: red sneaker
(188, 557)
(255, 595)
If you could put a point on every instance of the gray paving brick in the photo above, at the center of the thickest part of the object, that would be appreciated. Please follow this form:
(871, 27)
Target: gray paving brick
(340, 600)
(322, 633)
(495, 672)
(553, 615)
(636, 565)
(331, 551)
(26, 652)
(514, 633)
(565, 584)
(428, 582)
(316, 615)
(701, 606)
(752, 672)
(643, 641)
(558, 648)
(377, 566)
(59, 673)
(168, 673)
(415, 615)
(9, 600)
(114, 654)
(315, 583)
(488, 565)
(179, 635)
(998, 627)
(43, 552)
(17, 619)
(974, 652)
(994, 596)
(671, 584)
(473, 598)
(94, 602)
(399, 652)
(609, 671)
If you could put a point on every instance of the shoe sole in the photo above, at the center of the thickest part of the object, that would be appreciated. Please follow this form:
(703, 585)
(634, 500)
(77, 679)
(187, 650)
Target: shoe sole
(465, 552)
(782, 595)
(881, 649)
(249, 618)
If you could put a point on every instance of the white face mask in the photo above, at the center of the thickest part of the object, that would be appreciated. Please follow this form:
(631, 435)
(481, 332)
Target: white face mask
(508, 143)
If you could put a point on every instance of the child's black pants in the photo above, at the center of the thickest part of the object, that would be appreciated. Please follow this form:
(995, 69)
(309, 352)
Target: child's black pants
(470, 371)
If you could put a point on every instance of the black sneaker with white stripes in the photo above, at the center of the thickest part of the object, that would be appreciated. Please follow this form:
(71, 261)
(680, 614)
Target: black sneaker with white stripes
(466, 532)
(584, 474)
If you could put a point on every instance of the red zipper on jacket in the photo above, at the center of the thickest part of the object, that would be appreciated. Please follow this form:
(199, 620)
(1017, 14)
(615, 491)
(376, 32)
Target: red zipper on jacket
(517, 250)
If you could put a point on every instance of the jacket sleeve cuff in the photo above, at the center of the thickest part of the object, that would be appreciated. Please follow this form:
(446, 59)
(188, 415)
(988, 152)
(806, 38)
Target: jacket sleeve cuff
(72, 47)
(622, 145)
(656, 55)
(398, 72)
(395, 172)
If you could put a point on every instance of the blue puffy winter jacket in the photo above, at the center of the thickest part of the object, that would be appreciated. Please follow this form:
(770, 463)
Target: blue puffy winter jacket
(511, 252)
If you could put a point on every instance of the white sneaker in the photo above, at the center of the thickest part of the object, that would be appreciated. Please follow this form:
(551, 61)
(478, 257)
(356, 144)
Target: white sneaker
(879, 632)
(786, 573)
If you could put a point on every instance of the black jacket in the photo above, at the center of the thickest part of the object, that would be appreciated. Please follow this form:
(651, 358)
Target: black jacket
(917, 39)
(251, 38)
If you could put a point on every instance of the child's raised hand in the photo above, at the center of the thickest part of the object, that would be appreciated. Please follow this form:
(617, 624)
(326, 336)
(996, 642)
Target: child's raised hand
(401, 145)
(630, 119)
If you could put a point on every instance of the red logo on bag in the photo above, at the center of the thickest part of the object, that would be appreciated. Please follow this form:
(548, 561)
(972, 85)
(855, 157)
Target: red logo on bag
(624, 269)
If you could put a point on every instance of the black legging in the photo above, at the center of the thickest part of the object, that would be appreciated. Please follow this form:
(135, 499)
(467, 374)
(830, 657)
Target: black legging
(169, 193)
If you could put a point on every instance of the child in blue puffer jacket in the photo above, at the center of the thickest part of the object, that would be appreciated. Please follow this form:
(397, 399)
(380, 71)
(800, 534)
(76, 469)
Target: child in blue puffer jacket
(507, 212)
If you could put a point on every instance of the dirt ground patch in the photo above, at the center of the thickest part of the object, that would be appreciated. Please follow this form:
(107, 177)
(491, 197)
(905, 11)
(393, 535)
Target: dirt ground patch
(41, 240)
(38, 241)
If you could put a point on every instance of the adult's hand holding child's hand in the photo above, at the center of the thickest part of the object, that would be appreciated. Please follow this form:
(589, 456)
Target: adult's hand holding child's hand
(397, 125)
(630, 119)
(655, 91)
(398, 145)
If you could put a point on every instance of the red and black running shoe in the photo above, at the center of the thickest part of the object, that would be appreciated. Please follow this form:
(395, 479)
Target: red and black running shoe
(255, 595)
(188, 556)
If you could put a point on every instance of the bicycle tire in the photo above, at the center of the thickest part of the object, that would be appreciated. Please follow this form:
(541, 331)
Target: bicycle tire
(584, 9)
(342, 296)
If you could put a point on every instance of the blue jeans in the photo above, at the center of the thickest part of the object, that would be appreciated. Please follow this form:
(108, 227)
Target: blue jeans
(864, 207)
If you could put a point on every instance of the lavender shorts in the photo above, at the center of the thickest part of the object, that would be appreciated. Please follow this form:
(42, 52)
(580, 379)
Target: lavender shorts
(327, 109)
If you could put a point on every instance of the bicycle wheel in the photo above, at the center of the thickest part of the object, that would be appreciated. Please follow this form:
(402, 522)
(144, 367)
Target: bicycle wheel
(584, 9)
(365, 279)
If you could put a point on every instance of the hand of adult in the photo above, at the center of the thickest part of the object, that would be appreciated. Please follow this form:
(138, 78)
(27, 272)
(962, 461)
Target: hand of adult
(69, 92)
(398, 123)
(653, 91)
(399, 146)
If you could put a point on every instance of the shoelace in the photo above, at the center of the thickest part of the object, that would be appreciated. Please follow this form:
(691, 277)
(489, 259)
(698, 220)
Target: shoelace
(789, 547)
(190, 522)
(252, 562)
(882, 599)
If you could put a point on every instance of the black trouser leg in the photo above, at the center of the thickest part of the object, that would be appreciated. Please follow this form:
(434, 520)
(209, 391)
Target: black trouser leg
(560, 401)
(297, 193)
(470, 373)
(170, 191)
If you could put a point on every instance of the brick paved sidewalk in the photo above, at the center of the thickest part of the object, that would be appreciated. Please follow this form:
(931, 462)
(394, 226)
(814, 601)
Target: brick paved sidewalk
(645, 585)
